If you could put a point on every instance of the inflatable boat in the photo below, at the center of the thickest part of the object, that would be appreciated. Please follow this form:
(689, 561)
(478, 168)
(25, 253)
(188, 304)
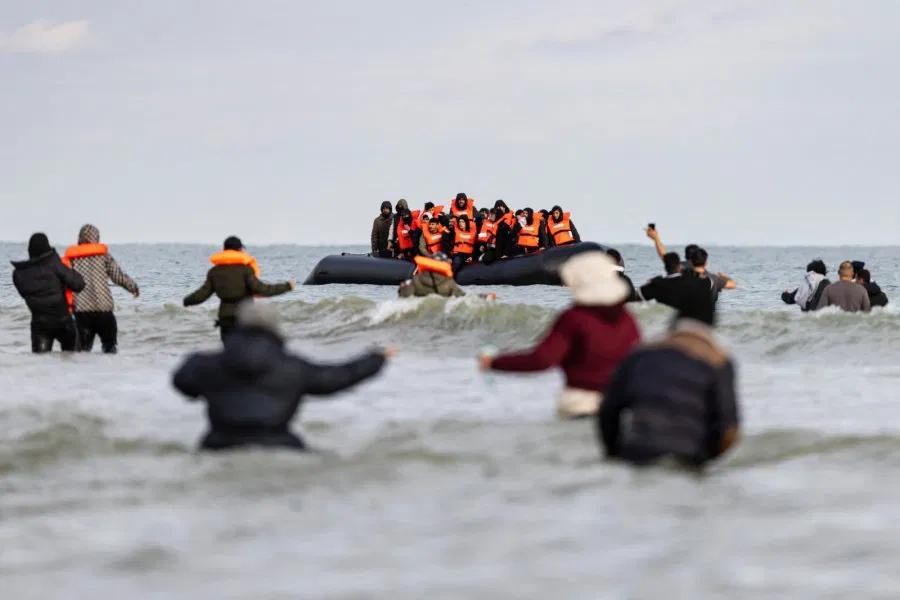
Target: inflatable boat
(537, 269)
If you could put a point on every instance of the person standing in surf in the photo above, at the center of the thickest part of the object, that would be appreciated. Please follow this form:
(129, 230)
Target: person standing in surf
(588, 340)
(234, 278)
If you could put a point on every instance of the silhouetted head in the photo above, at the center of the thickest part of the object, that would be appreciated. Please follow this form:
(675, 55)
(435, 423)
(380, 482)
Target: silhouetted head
(672, 263)
(557, 212)
(461, 200)
(38, 245)
(502, 205)
(689, 251)
(858, 265)
(429, 205)
(233, 242)
(386, 208)
(529, 215)
(406, 216)
(863, 276)
(817, 266)
(845, 271)
(433, 225)
(463, 222)
(699, 257)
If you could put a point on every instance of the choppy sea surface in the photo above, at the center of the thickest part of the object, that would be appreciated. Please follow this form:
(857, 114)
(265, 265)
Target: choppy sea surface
(434, 480)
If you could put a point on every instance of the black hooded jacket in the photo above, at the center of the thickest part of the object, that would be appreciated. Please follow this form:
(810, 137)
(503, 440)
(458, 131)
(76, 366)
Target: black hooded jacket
(876, 296)
(42, 281)
(253, 388)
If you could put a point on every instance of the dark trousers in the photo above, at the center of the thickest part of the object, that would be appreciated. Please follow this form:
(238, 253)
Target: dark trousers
(93, 324)
(226, 325)
(459, 261)
(44, 334)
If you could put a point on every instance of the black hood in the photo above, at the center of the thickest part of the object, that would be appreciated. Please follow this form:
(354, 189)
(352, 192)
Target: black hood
(37, 260)
(251, 351)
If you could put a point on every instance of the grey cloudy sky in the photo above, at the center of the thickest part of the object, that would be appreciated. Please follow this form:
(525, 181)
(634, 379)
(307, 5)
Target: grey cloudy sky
(763, 122)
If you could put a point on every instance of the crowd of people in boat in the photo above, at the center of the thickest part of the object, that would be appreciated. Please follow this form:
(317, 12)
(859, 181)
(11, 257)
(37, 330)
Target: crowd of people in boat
(467, 233)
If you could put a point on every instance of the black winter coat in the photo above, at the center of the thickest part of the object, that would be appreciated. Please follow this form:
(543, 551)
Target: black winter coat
(679, 398)
(253, 387)
(42, 281)
(876, 296)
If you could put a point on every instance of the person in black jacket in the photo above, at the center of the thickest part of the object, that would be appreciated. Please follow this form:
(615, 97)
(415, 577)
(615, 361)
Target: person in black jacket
(673, 399)
(254, 387)
(42, 281)
(876, 296)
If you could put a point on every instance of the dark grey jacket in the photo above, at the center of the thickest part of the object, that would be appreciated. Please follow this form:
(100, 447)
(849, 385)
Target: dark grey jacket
(676, 398)
(253, 388)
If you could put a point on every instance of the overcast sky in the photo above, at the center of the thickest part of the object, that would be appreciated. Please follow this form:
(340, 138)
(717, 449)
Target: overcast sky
(757, 122)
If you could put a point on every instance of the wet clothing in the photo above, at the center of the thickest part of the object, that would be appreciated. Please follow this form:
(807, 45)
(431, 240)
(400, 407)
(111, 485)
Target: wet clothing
(587, 342)
(808, 295)
(42, 281)
(44, 334)
(848, 295)
(676, 398)
(876, 296)
(716, 284)
(381, 235)
(233, 284)
(254, 387)
(425, 284)
(93, 324)
(686, 293)
(97, 271)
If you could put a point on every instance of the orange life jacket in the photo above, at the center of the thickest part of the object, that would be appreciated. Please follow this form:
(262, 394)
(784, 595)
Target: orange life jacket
(464, 241)
(430, 265)
(561, 231)
(433, 241)
(437, 210)
(404, 236)
(235, 257)
(488, 232)
(86, 250)
(76, 252)
(510, 220)
(469, 210)
(529, 235)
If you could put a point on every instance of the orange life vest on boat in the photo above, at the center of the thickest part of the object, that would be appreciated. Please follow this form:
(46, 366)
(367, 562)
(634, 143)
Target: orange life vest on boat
(529, 235)
(469, 210)
(437, 210)
(488, 232)
(510, 220)
(464, 241)
(433, 241)
(430, 265)
(560, 231)
(76, 252)
(235, 257)
(404, 236)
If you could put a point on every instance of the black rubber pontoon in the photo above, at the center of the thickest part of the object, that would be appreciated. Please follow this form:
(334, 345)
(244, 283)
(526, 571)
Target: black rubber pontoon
(537, 269)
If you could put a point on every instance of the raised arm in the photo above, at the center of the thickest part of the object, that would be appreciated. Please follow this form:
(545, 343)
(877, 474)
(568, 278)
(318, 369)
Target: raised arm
(549, 353)
(322, 380)
(653, 234)
(260, 288)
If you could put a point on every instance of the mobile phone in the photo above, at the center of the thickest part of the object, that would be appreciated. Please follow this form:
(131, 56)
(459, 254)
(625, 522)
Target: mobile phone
(651, 226)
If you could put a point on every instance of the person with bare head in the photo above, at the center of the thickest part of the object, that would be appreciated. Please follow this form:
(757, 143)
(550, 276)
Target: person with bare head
(846, 293)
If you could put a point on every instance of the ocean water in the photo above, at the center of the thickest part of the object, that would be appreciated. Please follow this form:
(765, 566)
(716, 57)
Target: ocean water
(434, 480)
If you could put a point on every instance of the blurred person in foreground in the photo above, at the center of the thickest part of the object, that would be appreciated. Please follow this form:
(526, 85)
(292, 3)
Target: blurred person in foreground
(588, 340)
(674, 399)
(254, 386)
